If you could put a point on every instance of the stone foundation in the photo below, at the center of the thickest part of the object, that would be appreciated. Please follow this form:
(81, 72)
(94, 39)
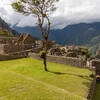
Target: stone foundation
(5, 49)
(62, 60)
(91, 89)
(10, 57)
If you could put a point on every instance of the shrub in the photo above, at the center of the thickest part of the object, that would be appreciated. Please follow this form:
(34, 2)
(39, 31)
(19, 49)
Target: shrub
(42, 54)
(85, 52)
(62, 49)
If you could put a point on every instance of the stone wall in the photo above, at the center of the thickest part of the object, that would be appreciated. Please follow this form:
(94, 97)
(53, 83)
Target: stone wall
(10, 57)
(1, 49)
(91, 89)
(36, 50)
(96, 63)
(14, 48)
(62, 60)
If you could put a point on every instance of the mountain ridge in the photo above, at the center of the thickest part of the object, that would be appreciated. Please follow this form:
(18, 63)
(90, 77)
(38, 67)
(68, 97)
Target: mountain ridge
(76, 34)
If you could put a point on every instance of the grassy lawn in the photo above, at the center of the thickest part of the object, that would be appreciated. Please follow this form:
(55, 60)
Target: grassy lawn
(25, 79)
(97, 92)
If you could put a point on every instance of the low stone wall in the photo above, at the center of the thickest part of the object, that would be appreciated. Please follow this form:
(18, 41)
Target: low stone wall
(14, 48)
(91, 89)
(10, 57)
(62, 60)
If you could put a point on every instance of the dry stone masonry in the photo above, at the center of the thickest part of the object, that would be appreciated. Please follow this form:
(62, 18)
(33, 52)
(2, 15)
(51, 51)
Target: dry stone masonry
(62, 60)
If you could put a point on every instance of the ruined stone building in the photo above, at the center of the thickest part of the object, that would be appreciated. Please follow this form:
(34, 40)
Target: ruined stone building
(7, 40)
(25, 39)
(40, 43)
(16, 44)
(9, 45)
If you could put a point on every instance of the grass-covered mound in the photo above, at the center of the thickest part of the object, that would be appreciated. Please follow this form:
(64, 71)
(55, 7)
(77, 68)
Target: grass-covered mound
(25, 79)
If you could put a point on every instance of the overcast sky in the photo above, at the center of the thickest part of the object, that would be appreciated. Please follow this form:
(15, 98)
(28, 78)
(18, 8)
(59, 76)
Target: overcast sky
(68, 12)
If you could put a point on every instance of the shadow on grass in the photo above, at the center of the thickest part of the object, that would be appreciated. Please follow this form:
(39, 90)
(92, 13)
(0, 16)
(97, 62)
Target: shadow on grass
(58, 73)
(61, 73)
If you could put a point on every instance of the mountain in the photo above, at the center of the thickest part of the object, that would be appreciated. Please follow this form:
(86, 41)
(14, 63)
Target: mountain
(34, 31)
(94, 44)
(76, 34)
(5, 30)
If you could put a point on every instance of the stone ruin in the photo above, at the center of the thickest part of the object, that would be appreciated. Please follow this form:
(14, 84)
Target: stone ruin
(25, 42)
(25, 39)
(67, 51)
(11, 45)
(56, 52)
(95, 63)
(8, 40)
(51, 44)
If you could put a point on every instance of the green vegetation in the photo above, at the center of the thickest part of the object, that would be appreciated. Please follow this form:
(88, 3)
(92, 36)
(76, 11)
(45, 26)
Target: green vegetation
(25, 79)
(94, 44)
(5, 33)
(97, 92)
(42, 54)
(85, 52)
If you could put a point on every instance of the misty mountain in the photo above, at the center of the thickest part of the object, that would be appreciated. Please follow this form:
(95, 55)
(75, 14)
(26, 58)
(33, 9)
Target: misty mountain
(77, 34)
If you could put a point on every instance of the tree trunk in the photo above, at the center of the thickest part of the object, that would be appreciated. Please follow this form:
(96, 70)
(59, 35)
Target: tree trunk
(45, 63)
(45, 57)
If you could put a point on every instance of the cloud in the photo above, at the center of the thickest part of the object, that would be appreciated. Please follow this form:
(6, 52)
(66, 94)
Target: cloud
(68, 12)
(14, 18)
(76, 11)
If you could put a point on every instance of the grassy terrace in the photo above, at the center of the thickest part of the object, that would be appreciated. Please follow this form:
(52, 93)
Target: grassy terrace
(97, 92)
(25, 79)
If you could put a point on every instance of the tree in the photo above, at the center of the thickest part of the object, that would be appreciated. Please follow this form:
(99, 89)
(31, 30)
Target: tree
(41, 9)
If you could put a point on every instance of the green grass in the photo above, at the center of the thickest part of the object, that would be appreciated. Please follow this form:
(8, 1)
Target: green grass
(25, 79)
(97, 92)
